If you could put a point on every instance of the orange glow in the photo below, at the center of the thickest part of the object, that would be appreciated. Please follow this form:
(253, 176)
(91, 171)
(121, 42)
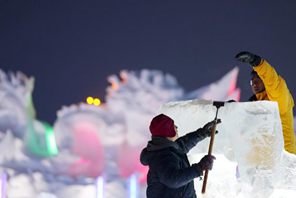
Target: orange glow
(114, 86)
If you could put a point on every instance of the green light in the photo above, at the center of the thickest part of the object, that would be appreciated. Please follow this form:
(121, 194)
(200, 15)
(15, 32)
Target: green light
(41, 143)
(50, 140)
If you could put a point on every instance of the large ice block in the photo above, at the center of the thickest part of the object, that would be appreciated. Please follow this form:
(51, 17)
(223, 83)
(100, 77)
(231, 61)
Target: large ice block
(250, 134)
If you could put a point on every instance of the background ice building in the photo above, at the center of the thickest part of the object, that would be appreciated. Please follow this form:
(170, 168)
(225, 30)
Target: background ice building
(93, 151)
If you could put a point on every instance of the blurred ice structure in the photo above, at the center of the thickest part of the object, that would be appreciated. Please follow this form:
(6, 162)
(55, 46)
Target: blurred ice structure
(115, 133)
(16, 107)
(98, 148)
(225, 89)
(17, 114)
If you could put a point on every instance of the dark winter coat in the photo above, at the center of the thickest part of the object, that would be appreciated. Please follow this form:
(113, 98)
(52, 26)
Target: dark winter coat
(170, 174)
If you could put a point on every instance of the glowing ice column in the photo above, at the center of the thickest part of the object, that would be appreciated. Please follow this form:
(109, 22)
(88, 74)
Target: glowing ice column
(133, 186)
(3, 185)
(100, 187)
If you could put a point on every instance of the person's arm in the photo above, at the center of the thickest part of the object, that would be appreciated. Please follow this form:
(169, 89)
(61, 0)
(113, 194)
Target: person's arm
(171, 175)
(143, 159)
(189, 140)
(275, 86)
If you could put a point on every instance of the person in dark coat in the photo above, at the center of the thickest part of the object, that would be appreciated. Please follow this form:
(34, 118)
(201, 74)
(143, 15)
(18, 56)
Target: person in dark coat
(170, 173)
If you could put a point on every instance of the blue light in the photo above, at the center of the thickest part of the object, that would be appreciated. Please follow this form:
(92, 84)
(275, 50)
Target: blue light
(3, 185)
(100, 187)
(133, 186)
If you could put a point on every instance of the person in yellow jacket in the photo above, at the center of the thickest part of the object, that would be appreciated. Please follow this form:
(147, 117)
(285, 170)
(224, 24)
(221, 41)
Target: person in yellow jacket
(268, 85)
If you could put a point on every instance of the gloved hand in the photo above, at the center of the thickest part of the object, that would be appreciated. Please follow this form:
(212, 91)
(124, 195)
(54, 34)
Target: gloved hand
(247, 57)
(207, 128)
(206, 163)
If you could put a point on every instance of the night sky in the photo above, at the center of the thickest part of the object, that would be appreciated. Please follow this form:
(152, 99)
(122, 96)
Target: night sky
(71, 47)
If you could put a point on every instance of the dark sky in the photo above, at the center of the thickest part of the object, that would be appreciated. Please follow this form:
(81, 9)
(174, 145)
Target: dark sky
(70, 47)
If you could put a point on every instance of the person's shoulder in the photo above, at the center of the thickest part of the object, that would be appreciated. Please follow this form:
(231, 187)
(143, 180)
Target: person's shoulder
(163, 158)
(167, 153)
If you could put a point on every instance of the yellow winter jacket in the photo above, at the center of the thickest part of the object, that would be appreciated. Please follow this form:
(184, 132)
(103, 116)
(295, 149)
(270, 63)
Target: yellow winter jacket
(276, 90)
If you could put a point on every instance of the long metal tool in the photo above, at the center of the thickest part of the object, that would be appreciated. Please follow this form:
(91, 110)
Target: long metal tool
(217, 104)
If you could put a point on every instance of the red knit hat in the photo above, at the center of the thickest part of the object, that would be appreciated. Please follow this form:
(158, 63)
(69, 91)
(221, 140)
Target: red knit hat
(162, 125)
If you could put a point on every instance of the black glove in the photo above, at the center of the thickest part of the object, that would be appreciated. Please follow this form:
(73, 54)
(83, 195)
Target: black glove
(247, 57)
(207, 128)
(206, 163)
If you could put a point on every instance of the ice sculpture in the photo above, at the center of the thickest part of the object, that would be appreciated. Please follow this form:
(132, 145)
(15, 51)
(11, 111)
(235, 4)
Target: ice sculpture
(16, 108)
(114, 132)
(223, 89)
(17, 114)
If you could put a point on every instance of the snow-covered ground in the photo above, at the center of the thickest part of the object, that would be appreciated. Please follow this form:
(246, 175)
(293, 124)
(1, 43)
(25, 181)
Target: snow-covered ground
(94, 151)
